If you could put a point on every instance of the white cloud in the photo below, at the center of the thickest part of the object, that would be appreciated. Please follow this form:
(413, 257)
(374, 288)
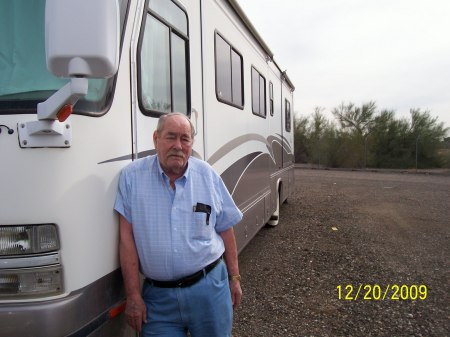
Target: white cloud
(395, 52)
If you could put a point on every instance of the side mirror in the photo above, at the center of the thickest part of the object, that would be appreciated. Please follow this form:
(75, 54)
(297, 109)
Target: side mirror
(82, 37)
(81, 41)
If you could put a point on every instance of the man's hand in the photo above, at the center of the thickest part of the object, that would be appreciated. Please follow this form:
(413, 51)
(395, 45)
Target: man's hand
(231, 260)
(136, 312)
(236, 293)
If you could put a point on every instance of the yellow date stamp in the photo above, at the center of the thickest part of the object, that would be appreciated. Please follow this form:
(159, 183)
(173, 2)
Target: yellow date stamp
(376, 292)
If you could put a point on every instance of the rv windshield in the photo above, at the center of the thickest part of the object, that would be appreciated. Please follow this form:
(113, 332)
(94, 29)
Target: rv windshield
(24, 78)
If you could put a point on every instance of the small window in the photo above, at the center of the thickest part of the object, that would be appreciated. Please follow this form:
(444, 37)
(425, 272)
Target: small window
(229, 79)
(271, 98)
(163, 60)
(287, 116)
(258, 93)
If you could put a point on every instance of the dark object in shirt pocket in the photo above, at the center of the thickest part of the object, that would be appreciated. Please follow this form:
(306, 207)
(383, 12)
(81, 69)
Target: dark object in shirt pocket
(202, 208)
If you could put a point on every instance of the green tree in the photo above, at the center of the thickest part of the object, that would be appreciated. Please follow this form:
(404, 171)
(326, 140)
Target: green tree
(313, 137)
(316, 132)
(427, 134)
(358, 122)
(365, 136)
(301, 152)
(355, 118)
(389, 146)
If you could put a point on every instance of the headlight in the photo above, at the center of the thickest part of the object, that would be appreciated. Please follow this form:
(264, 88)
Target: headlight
(29, 239)
(30, 282)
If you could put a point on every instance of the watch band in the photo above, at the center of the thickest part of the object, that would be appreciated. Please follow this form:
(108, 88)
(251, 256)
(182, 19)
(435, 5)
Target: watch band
(235, 278)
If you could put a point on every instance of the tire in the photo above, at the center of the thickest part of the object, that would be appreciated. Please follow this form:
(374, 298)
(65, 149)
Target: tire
(275, 217)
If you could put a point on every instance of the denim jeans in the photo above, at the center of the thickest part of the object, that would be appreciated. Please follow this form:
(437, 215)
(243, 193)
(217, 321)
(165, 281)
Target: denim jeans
(204, 309)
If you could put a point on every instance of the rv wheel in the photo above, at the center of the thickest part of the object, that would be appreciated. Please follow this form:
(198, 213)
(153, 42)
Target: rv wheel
(275, 217)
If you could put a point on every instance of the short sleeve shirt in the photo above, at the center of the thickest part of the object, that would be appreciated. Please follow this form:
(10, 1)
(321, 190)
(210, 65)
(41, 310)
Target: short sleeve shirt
(174, 234)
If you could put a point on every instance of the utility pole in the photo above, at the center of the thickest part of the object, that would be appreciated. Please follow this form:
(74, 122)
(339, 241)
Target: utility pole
(417, 149)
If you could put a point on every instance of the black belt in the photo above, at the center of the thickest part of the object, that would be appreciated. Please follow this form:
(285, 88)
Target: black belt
(185, 281)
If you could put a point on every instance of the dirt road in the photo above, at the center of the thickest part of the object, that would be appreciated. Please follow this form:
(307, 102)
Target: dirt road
(348, 245)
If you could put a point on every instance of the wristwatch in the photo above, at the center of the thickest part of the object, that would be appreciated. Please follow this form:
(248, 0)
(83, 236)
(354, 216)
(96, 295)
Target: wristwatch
(235, 278)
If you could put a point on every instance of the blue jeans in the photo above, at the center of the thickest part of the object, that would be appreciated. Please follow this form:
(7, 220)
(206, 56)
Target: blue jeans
(204, 309)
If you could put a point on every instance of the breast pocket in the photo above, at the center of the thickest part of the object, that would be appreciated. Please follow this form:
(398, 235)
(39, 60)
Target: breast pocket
(202, 227)
(200, 219)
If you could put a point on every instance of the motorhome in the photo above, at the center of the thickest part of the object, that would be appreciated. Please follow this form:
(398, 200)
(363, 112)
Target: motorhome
(82, 84)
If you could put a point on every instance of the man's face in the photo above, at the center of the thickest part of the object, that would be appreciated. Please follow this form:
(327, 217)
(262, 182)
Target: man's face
(174, 145)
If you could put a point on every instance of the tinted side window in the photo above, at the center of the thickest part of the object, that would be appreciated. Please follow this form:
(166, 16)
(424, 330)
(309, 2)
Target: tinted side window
(229, 79)
(271, 98)
(287, 116)
(163, 59)
(258, 93)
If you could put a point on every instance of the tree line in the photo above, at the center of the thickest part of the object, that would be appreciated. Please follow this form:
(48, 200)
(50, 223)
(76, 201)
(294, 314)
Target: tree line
(363, 136)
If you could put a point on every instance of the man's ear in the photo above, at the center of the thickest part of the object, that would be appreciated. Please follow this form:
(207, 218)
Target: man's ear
(155, 139)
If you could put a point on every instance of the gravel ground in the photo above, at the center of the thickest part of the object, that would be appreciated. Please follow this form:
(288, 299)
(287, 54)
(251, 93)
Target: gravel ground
(347, 228)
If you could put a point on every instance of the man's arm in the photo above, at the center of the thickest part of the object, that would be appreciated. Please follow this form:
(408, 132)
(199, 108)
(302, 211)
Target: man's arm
(135, 311)
(231, 260)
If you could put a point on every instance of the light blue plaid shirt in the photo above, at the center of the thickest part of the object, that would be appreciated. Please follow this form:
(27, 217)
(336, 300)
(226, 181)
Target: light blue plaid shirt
(172, 239)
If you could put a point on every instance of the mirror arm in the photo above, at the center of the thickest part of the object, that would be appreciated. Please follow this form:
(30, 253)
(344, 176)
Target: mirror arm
(68, 95)
(47, 131)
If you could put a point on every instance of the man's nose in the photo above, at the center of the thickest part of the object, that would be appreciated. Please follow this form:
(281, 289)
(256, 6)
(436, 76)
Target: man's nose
(177, 143)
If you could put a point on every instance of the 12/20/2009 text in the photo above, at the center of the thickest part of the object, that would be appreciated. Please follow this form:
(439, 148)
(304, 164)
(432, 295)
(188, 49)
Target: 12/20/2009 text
(375, 292)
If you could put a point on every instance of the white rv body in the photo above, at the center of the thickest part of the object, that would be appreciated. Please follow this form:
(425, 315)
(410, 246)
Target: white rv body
(72, 186)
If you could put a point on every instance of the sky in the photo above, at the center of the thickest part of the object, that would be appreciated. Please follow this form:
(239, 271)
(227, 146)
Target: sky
(393, 52)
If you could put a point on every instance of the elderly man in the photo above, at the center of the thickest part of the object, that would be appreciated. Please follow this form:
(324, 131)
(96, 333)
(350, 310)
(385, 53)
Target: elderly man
(176, 228)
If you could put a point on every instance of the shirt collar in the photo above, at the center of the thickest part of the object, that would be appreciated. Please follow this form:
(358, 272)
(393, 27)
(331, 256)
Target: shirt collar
(183, 178)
